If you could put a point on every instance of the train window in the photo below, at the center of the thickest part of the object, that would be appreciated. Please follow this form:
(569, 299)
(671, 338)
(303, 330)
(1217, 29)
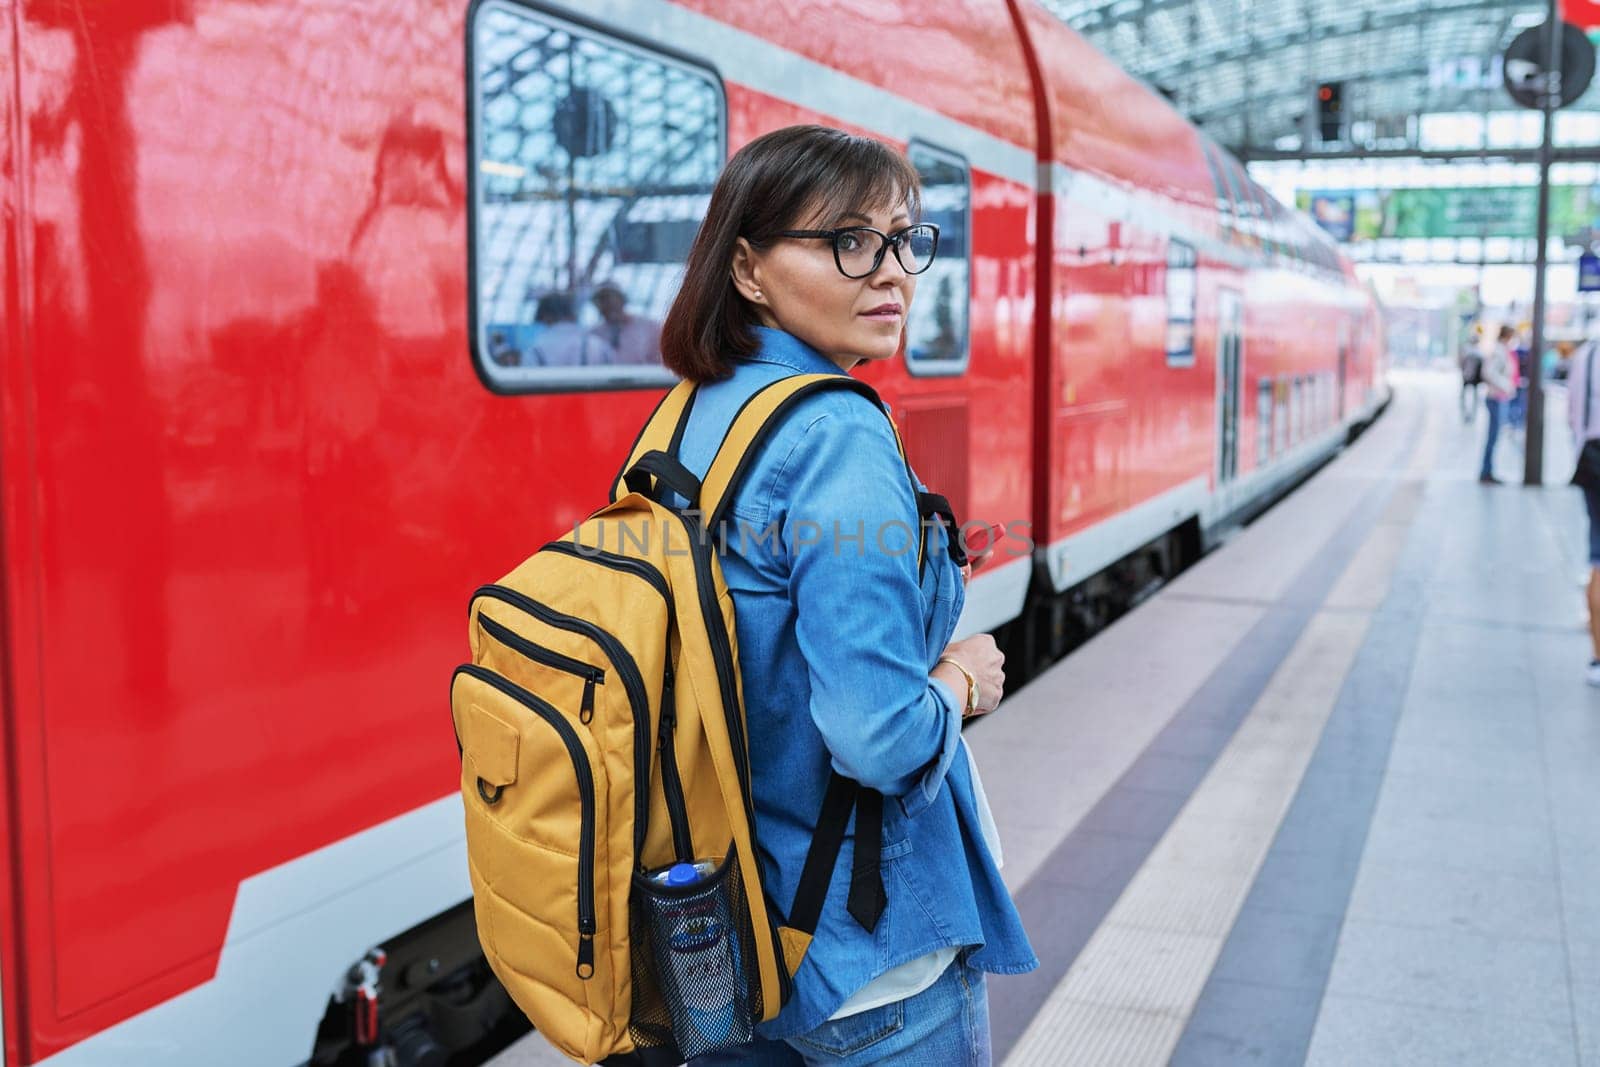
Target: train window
(1258, 225)
(1224, 202)
(936, 330)
(1241, 211)
(592, 166)
(1296, 411)
(1181, 264)
(1263, 421)
(1269, 244)
(1280, 416)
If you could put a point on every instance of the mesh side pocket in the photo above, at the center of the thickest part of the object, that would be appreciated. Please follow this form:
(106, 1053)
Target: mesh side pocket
(696, 977)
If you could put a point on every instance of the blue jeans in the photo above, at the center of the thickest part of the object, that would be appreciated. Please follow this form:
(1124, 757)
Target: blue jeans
(945, 1025)
(1497, 412)
(1591, 501)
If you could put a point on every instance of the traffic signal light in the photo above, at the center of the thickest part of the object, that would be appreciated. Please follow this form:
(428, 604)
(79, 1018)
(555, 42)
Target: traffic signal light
(1330, 111)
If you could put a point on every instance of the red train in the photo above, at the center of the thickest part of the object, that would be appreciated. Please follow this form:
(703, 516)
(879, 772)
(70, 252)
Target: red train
(304, 339)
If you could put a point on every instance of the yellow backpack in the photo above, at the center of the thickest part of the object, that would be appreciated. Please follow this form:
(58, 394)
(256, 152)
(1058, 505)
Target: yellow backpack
(602, 734)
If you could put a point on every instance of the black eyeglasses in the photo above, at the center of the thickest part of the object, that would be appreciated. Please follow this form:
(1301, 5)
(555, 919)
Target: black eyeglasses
(856, 255)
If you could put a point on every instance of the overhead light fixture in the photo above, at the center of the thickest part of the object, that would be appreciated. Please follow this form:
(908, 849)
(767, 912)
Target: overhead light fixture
(503, 170)
(1526, 19)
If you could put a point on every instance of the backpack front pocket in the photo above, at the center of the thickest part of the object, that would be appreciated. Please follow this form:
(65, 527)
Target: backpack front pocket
(535, 819)
(580, 672)
(557, 676)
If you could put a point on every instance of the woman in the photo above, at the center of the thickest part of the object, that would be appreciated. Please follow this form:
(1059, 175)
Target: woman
(807, 263)
(1499, 376)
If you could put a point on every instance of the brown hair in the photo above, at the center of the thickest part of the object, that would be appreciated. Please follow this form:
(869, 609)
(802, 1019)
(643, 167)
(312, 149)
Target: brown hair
(770, 185)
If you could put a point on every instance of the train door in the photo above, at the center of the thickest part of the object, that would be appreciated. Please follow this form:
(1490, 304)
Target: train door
(1230, 343)
(1344, 361)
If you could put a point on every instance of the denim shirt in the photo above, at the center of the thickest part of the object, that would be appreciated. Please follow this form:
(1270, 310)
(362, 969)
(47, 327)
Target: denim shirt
(837, 635)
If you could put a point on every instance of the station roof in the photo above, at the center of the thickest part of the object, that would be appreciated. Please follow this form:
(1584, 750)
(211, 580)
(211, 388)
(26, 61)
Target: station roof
(1246, 71)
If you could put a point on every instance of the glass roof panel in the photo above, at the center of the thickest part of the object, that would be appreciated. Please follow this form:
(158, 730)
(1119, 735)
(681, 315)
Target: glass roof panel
(1246, 71)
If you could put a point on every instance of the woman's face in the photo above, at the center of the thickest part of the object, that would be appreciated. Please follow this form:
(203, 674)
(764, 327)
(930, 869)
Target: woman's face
(796, 287)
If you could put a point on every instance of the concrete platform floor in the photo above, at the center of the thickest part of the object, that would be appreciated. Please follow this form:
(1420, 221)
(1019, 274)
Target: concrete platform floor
(1333, 796)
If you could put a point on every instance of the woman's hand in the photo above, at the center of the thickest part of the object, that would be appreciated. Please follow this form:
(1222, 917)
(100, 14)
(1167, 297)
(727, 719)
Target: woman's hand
(974, 560)
(981, 656)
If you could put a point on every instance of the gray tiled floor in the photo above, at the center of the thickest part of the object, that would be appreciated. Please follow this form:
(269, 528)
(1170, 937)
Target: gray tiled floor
(1407, 838)
(1473, 929)
(1494, 904)
(1452, 969)
(1361, 1030)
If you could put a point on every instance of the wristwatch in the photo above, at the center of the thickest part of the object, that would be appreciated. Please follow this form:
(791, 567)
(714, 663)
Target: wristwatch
(972, 687)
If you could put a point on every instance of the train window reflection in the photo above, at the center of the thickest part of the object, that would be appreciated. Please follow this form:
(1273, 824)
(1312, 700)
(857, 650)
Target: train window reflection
(592, 165)
(936, 329)
(1181, 262)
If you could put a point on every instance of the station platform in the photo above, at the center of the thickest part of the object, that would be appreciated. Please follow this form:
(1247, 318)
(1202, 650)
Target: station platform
(1332, 796)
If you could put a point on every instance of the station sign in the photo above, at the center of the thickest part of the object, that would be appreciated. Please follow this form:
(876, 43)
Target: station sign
(1524, 72)
(1354, 215)
(1589, 273)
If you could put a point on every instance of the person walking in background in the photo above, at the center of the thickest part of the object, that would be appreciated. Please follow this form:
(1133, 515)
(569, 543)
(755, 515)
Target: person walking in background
(1583, 415)
(1517, 408)
(1497, 375)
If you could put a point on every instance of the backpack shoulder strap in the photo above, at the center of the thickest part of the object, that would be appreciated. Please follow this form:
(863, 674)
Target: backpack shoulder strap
(662, 432)
(756, 421)
(760, 416)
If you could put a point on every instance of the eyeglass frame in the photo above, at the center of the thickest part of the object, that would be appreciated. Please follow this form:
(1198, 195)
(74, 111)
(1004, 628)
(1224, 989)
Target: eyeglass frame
(884, 241)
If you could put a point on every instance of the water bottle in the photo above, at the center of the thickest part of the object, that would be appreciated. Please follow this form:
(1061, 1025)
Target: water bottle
(700, 962)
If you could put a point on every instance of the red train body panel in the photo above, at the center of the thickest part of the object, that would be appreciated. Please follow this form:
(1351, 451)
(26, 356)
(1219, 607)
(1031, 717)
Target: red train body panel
(251, 470)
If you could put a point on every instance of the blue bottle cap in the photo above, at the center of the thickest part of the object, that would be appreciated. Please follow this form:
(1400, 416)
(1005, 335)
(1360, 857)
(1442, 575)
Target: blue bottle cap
(682, 874)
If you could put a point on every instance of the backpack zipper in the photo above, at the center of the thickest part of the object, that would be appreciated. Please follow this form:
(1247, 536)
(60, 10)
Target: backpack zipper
(616, 562)
(632, 681)
(671, 778)
(591, 675)
(671, 782)
(580, 765)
